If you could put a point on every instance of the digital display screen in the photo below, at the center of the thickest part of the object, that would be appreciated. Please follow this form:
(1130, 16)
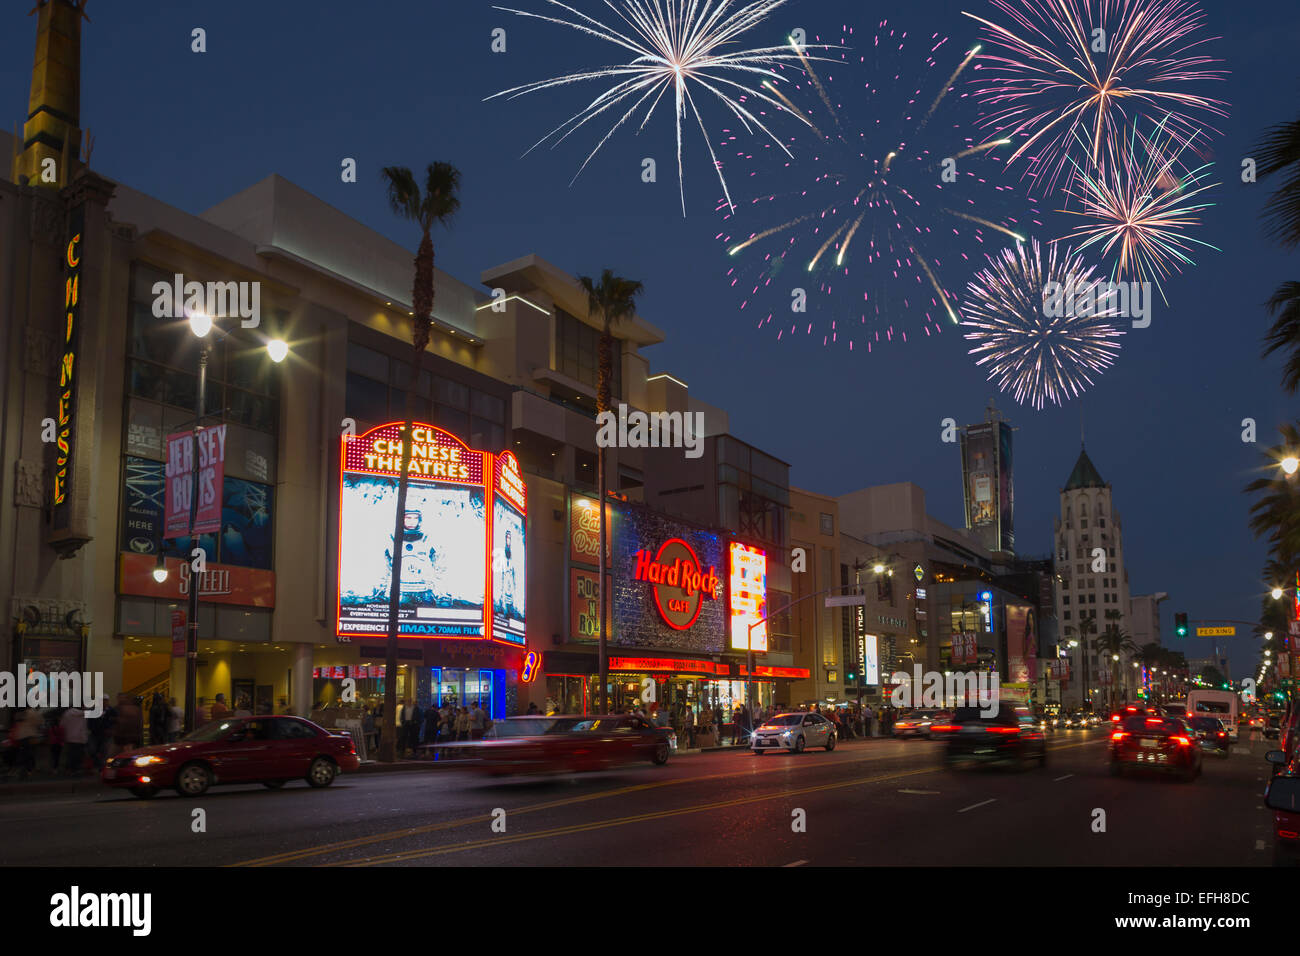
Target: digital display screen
(747, 587)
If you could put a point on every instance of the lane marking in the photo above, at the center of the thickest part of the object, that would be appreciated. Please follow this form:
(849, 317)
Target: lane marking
(502, 840)
(405, 832)
(980, 804)
(918, 791)
(795, 863)
(1066, 777)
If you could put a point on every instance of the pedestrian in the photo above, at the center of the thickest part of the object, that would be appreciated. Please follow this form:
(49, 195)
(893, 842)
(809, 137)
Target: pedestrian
(129, 731)
(26, 735)
(867, 715)
(407, 715)
(242, 708)
(75, 733)
(477, 722)
(219, 709)
(175, 720)
(532, 708)
(54, 738)
(688, 726)
(462, 724)
(100, 735)
(432, 720)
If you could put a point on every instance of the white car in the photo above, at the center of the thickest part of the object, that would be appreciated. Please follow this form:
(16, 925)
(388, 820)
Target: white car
(795, 732)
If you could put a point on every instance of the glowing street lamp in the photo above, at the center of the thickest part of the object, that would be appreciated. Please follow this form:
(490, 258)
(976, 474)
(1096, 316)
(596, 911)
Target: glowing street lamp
(1290, 464)
(1276, 594)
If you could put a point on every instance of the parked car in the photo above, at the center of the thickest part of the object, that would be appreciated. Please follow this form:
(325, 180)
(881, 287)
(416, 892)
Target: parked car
(1282, 796)
(562, 743)
(793, 732)
(1009, 736)
(268, 750)
(1155, 744)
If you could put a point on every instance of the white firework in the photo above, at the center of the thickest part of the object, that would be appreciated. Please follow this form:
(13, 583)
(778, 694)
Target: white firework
(675, 44)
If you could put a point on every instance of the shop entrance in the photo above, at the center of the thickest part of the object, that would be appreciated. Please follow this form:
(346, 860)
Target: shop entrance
(463, 686)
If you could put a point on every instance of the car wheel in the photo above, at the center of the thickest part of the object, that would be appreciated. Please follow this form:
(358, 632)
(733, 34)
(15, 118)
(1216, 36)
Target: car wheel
(830, 743)
(144, 793)
(661, 755)
(193, 780)
(799, 745)
(322, 772)
(757, 752)
(273, 784)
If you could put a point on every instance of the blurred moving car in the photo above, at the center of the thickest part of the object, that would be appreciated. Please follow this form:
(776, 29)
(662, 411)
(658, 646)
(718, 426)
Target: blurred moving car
(942, 725)
(560, 743)
(1273, 726)
(266, 750)
(1282, 796)
(1211, 735)
(794, 732)
(1175, 711)
(1157, 744)
(1009, 736)
(915, 723)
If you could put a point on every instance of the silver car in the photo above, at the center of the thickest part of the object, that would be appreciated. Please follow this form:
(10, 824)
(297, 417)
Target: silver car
(795, 732)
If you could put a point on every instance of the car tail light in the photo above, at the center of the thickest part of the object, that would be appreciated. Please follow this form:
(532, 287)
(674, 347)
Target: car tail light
(1120, 735)
(944, 727)
(1114, 718)
(1288, 834)
(1222, 733)
(1004, 730)
(1181, 741)
(1154, 720)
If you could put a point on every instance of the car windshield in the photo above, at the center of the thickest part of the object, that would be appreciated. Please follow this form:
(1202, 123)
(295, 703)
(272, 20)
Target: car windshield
(1006, 714)
(1206, 723)
(213, 731)
(785, 720)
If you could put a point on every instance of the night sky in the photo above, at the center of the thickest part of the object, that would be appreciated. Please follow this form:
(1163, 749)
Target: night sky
(292, 88)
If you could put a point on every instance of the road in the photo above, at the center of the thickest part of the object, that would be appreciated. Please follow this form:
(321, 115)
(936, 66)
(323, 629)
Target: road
(868, 803)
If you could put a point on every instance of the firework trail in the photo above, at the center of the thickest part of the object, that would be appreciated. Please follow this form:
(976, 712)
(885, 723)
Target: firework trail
(675, 44)
(1042, 327)
(1071, 75)
(1138, 204)
(895, 195)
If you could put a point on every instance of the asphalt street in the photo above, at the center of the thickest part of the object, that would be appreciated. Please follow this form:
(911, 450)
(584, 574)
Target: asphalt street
(868, 803)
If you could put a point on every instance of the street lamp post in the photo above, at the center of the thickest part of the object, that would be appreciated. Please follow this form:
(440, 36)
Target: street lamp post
(277, 349)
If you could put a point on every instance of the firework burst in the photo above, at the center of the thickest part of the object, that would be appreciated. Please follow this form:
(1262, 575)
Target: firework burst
(1070, 75)
(1041, 326)
(675, 44)
(894, 196)
(1138, 204)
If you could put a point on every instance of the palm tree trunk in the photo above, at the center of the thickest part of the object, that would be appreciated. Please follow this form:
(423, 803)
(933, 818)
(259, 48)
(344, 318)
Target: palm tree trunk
(388, 740)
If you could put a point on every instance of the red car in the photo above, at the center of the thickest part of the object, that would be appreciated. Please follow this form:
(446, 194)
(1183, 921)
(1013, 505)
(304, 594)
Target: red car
(1283, 797)
(266, 750)
(1155, 743)
(562, 743)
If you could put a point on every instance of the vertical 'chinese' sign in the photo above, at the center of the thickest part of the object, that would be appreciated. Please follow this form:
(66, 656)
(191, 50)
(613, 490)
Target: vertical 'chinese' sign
(67, 377)
(181, 485)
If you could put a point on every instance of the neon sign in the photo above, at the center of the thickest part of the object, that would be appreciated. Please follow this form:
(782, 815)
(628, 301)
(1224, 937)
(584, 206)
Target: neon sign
(532, 664)
(462, 537)
(747, 588)
(680, 582)
(67, 380)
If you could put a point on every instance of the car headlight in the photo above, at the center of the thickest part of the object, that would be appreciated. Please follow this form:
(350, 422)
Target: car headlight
(787, 733)
(147, 761)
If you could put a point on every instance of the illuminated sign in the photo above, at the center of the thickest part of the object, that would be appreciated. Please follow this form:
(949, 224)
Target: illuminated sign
(870, 659)
(747, 587)
(919, 573)
(670, 664)
(532, 666)
(584, 598)
(67, 376)
(679, 582)
(180, 471)
(459, 502)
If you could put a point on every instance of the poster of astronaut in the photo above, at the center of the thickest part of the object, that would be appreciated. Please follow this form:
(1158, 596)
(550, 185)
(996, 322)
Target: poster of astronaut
(507, 572)
(443, 542)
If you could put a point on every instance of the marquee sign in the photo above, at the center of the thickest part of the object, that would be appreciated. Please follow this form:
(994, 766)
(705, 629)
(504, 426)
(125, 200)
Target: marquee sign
(67, 367)
(462, 538)
(680, 583)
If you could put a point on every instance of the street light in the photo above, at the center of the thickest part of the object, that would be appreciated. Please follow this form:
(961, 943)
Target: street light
(201, 324)
(1276, 594)
(160, 569)
(1268, 635)
(1290, 463)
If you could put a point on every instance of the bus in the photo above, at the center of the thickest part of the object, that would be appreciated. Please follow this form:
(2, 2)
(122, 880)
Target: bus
(1223, 704)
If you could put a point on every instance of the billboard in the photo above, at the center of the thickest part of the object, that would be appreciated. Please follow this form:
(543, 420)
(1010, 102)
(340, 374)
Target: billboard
(1022, 643)
(747, 588)
(869, 658)
(451, 585)
(584, 598)
(987, 484)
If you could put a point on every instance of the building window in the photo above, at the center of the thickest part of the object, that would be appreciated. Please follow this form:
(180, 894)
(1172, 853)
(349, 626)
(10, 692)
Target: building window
(1067, 615)
(1065, 599)
(577, 353)
(828, 524)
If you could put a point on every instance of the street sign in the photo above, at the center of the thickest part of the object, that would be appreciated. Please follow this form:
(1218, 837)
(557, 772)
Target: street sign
(1215, 631)
(846, 600)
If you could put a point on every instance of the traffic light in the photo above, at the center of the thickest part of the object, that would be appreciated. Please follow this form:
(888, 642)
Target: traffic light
(1180, 624)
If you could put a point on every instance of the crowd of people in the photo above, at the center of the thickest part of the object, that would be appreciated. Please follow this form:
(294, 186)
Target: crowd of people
(419, 728)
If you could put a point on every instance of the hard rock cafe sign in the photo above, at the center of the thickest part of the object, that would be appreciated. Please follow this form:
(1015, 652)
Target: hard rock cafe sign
(679, 582)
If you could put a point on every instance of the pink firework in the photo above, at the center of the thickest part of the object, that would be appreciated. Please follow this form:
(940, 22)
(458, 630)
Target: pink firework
(1066, 76)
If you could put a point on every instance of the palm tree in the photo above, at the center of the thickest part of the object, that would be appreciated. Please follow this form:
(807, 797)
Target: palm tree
(613, 298)
(436, 205)
(1275, 515)
(1280, 150)
(1284, 335)
(1115, 642)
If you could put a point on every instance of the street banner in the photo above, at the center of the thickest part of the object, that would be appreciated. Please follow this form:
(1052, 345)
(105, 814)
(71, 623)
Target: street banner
(180, 481)
(178, 632)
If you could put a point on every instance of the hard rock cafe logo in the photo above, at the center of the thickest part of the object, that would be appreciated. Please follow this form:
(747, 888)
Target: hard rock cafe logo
(680, 582)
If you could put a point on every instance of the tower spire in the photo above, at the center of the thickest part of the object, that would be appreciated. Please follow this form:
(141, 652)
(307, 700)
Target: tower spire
(52, 130)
